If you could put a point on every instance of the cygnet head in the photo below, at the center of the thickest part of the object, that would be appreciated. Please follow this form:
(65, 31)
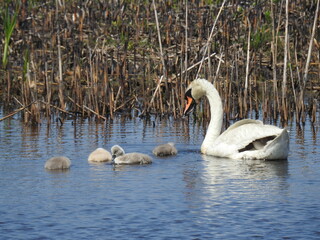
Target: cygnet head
(117, 151)
(57, 163)
(121, 158)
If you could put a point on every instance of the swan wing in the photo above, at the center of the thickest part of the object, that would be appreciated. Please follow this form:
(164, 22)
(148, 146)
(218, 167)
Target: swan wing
(244, 135)
(276, 149)
(240, 123)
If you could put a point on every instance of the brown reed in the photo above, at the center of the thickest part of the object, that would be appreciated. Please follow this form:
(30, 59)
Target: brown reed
(102, 58)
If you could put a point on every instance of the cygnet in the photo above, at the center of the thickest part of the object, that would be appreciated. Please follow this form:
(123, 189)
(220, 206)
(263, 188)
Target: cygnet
(122, 158)
(100, 155)
(164, 150)
(56, 163)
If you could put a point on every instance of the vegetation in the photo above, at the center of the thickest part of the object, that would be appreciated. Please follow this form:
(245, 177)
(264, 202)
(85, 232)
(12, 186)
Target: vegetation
(96, 58)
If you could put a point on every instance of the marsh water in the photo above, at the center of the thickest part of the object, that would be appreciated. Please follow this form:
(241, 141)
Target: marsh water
(188, 196)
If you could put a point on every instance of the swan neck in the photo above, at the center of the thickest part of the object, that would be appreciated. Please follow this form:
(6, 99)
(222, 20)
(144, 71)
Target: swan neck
(216, 112)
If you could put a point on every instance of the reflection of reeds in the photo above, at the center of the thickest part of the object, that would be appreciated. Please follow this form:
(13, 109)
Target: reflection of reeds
(95, 59)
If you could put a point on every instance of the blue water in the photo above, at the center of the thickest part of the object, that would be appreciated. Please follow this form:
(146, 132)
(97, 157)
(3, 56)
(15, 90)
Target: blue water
(188, 196)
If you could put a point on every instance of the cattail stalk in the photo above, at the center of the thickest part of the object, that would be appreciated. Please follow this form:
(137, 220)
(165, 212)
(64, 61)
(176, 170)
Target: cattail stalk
(160, 44)
(285, 63)
(247, 67)
(210, 37)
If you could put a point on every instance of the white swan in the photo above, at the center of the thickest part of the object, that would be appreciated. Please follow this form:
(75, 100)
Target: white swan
(56, 163)
(246, 139)
(120, 157)
(100, 155)
(163, 150)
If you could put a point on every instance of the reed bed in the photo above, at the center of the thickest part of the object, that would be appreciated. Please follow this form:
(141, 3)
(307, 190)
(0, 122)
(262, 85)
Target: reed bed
(95, 59)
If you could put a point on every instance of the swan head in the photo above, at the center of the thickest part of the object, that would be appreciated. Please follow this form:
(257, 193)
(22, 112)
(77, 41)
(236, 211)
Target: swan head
(194, 92)
(117, 151)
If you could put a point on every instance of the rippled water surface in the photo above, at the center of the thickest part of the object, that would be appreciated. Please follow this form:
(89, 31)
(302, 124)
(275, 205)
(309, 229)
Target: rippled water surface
(188, 196)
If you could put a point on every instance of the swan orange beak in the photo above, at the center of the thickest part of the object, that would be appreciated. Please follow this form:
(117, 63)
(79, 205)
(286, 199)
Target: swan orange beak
(189, 106)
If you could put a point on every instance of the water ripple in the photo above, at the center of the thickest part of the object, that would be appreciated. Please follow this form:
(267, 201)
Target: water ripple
(188, 196)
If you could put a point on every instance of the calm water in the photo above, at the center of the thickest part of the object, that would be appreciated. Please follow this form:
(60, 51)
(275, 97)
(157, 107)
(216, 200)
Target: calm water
(188, 196)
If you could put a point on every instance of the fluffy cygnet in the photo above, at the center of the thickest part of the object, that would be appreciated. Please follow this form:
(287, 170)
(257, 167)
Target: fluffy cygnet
(56, 163)
(120, 157)
(100, 155)
(163, 150)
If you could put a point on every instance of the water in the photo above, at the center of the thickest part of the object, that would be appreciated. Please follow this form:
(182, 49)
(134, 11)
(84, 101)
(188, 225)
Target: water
(188, 196)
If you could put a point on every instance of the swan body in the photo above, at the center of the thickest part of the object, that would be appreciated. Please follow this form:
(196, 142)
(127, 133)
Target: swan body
(100, 155)
(122, 158)
(56, 163)
(245, 139)
(163, 150)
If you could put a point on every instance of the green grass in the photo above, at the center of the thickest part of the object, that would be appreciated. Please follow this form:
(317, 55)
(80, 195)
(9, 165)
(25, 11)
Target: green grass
(9, 22)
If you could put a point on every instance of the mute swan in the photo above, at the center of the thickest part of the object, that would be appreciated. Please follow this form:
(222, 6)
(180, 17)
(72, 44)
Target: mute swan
(56, 163)
(165, 150)
(100, 155)
(245, 139)
(120, 157)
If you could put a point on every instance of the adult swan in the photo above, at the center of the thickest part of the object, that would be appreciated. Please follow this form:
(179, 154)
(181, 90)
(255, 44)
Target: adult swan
(245, 139)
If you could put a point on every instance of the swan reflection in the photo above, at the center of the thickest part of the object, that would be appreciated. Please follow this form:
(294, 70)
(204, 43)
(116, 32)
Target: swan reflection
(222, 180)
(219, 169)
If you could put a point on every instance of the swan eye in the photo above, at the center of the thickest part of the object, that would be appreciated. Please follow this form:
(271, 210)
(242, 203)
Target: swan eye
(188, 94)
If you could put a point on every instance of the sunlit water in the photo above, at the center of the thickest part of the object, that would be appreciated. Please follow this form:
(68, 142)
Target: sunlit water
(188, 196)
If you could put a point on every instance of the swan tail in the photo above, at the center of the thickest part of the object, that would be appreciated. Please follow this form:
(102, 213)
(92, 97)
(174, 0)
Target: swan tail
(276, 149)
(279, 147)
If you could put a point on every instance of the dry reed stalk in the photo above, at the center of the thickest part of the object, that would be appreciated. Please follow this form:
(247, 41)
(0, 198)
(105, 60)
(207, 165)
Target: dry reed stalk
(21, 104)
(123, 104)
(160, 102)
(174, 105)
(59, 78)
(96, 113)
(292, 81)
(285, 63)
(210, 38)
(111, 101)
(245, 99)
(186, 45)
(218, 68)
(306, 70)
(105, 91)
(117, 98)
(314, 110)
(96, 91)
(199, 63)
(264, 102)
(17, 111)
(48, 91)
(297, 102)
(277, 105)
(8, 86)
(59, 109)
(148, 106)
(160, 45)
(274, 58)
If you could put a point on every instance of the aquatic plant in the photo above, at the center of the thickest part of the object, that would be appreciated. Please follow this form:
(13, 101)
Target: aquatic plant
(96, 59)
(9, 22)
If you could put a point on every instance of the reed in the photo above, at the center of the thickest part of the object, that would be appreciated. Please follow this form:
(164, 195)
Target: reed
(9, 22)
(97, 59)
